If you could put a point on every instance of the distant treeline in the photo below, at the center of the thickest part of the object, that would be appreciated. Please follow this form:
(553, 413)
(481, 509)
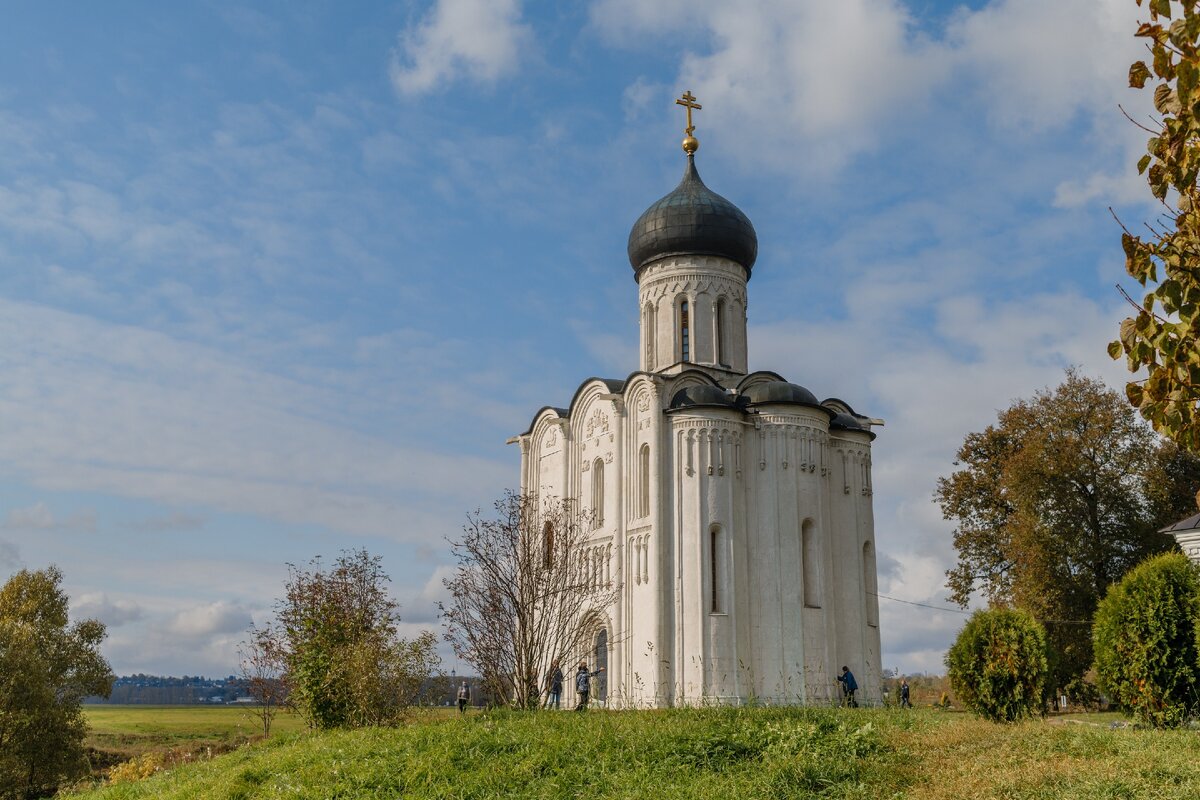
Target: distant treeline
(165, 691)
(157, 690)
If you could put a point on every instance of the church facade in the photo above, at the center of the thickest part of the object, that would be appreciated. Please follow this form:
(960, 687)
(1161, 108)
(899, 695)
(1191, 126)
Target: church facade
(733, 509)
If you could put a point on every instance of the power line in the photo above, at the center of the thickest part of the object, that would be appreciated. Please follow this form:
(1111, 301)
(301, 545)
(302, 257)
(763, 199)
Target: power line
(922, 605)
(963, 611)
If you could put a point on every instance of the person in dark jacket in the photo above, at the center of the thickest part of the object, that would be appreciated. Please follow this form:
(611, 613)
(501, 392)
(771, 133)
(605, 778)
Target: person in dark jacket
(904, 702)
(554, 683)
(583, 684)
(849, 687)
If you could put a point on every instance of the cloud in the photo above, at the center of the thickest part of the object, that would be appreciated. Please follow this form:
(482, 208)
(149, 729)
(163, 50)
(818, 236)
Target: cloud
(421, 608)
(788, 76)
(39, 517)
(481, 40)
(204, 621)
(808, 87)
(93, 406)
(113, 613)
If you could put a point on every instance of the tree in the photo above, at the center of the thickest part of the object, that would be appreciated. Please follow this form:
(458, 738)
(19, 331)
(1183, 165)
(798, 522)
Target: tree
(47, 666)
(346, 664)
(1147, 656)
(521, 595)
(998, 665)
(264, 669)
(1164, 336)
(1055, 502)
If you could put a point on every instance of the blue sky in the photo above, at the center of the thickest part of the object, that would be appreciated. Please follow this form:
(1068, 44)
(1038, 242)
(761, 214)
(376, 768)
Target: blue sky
(279, 280)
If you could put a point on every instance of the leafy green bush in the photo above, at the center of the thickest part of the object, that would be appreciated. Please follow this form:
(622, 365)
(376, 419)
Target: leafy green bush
(338, 638)
(1145, 640)
(998, 665)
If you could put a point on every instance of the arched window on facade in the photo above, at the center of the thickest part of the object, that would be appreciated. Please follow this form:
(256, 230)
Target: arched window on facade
(685, 340)
(644, 481)
(812, 565)
(719, 343)
(716, 550)
(649, 331)
(548, 545)
(600, 663)
(598, 493)
(869, 585)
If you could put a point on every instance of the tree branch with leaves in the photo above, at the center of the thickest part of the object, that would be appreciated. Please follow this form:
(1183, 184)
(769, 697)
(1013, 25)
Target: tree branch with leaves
(1163, 337)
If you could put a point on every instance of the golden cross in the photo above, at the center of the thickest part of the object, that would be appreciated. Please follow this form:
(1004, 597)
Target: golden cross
(688, 102)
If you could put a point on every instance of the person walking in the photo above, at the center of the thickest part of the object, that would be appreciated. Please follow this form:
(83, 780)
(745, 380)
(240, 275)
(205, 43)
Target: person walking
(904, 702)
(554, 680)
(583, 684)
(849, 687)
(464, 697)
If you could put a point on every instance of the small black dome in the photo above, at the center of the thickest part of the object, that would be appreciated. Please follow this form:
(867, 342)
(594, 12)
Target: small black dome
(845, 422)
(781, 392)
(702, 396)
(693, 220)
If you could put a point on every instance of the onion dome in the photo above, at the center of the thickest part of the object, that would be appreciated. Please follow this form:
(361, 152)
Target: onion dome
(692, 220)
(690, 396)
(781, 392)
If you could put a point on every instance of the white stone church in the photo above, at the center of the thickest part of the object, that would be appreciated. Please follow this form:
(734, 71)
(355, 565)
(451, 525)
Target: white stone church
(733, 508)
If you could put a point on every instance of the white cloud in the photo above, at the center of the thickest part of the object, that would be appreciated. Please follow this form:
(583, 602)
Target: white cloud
(204, 621)
(1037, 64)
(822, 76)
(809, 86)
(421, 607)
(91, 406)
(113, 613)
(482, 40)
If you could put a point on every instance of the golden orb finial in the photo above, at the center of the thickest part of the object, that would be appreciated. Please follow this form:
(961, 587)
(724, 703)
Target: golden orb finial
(690, 143)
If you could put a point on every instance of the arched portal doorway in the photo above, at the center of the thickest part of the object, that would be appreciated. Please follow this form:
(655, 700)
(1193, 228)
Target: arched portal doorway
(600, 660)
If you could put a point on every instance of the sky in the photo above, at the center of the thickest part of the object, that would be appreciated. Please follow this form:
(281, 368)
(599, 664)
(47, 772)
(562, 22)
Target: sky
(279, 280)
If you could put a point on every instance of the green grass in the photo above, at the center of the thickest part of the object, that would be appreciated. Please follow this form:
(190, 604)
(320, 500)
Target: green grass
(119, 733)
(712, 753)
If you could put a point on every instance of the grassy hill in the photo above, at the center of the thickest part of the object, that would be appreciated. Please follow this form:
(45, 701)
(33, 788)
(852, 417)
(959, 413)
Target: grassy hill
(710, 753)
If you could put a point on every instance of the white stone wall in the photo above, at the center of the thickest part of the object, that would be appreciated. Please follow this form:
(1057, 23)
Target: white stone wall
(708, 284)
(785, 502)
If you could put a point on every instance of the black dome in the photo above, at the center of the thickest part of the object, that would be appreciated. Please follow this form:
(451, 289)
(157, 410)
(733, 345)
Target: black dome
(702, 396)
(781, 392)
(845, 422)
(693, 220)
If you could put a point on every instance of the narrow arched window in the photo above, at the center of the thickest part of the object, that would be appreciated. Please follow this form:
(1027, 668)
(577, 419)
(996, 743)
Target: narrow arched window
(811, 567)
(719, 342)
(717, 569)
(685, 342)
(869, 585)
(644, 481)
(598, 493)
(548, 545)
(649, 332)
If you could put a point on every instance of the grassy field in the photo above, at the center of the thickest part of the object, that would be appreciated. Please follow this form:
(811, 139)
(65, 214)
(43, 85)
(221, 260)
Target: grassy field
(119, 733)
(712, 753)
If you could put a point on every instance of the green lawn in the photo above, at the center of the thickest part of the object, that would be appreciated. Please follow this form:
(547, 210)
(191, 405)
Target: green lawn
(122, 732)
(712, 753)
